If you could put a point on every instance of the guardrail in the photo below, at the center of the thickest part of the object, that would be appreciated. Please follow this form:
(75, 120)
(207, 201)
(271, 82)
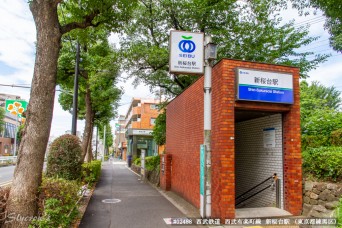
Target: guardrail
(4, 159)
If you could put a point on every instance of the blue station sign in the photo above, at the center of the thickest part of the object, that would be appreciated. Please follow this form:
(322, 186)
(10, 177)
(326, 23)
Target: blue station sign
(264, 86)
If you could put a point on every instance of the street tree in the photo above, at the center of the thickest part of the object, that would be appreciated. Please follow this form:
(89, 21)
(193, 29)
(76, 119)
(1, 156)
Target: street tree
(320, 113)
(249, 30)
(159, 129)
(50, 29)
(99, 72)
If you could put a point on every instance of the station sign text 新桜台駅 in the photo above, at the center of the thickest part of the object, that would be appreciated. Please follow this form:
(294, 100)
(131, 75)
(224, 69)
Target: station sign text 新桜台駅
(264, 86)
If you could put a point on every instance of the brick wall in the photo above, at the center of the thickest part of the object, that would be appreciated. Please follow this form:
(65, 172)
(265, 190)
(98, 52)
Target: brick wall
(254, 163)
(185, 134)
(183, 138)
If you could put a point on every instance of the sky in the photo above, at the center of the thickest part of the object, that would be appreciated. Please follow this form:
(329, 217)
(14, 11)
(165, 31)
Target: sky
(17, 56)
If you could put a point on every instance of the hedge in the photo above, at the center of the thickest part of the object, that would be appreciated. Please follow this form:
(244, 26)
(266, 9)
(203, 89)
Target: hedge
(323, 162)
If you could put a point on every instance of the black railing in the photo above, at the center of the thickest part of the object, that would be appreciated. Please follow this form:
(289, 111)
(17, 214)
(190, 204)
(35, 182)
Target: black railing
(251, 192)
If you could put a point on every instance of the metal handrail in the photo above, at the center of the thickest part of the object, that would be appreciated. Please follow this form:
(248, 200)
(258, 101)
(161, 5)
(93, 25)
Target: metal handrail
(274, 177)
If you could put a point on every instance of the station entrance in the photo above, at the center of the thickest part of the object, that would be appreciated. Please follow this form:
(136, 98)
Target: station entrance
(258, 159)
(255, 133)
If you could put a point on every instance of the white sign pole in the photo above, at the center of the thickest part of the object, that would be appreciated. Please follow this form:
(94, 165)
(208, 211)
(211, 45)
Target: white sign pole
(206, 201)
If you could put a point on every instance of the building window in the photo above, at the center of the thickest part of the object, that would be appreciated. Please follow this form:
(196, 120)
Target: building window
(153, 106)
(152, 121)
(9, 130)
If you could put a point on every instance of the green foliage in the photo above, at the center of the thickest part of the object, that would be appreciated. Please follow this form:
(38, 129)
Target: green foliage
(322, 122)
(65, 158)
(152, 162)
(339, 214)
(317, 96)
(137, 161)
(323, 162)
(235, 27)
(2, 116)
(320, 114)
(20, 132)
(57, 199)
(159, 129)
(91, 171)
(314, 141)
(336, 137)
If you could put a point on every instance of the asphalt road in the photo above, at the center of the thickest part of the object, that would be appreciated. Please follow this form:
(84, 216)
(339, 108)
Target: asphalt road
(6, 174)
(140, 204)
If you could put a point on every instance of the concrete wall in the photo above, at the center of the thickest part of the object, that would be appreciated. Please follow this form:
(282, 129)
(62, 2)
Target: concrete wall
(253, 162)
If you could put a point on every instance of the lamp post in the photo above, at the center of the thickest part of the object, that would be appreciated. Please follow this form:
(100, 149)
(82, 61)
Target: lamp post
(210, 56)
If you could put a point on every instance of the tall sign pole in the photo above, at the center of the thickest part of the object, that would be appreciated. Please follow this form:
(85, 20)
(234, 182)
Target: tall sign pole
(187, 56)
(210, 56)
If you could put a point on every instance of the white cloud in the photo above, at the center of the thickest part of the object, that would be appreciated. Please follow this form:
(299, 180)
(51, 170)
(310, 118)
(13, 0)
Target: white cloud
(328, 74)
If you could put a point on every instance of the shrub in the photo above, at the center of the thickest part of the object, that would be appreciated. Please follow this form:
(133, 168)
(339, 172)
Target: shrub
(339, 214)
(64, 159)
(323, 162)
(152, 163)
(314, 141)
(57, 199)
(336, 137)
(137, 162)
(91, 171)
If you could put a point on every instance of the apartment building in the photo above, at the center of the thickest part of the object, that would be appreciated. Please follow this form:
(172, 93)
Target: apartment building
(140, 119)
(4, 97)
(120, 138)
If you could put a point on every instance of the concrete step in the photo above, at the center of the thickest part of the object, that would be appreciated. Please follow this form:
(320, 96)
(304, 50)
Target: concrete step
(261, 212)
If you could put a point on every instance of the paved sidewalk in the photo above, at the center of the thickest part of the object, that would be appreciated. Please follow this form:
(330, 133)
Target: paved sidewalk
(140, 204)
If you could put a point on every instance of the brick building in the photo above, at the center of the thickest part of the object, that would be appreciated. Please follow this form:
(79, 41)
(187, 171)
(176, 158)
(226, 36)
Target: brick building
(140, 119)
(250, 140)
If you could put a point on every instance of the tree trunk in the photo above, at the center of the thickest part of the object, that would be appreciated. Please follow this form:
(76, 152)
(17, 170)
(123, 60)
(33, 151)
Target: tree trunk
(89, 156)
(88, 122)
(28, 172)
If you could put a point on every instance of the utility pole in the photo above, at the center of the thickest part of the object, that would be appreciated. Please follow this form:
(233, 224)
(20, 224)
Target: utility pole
(75, 97)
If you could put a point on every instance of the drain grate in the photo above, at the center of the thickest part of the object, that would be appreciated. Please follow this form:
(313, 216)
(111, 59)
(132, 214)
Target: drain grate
(111, 201)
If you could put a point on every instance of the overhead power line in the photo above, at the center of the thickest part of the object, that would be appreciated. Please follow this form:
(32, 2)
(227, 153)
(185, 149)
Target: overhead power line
(310, 21)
